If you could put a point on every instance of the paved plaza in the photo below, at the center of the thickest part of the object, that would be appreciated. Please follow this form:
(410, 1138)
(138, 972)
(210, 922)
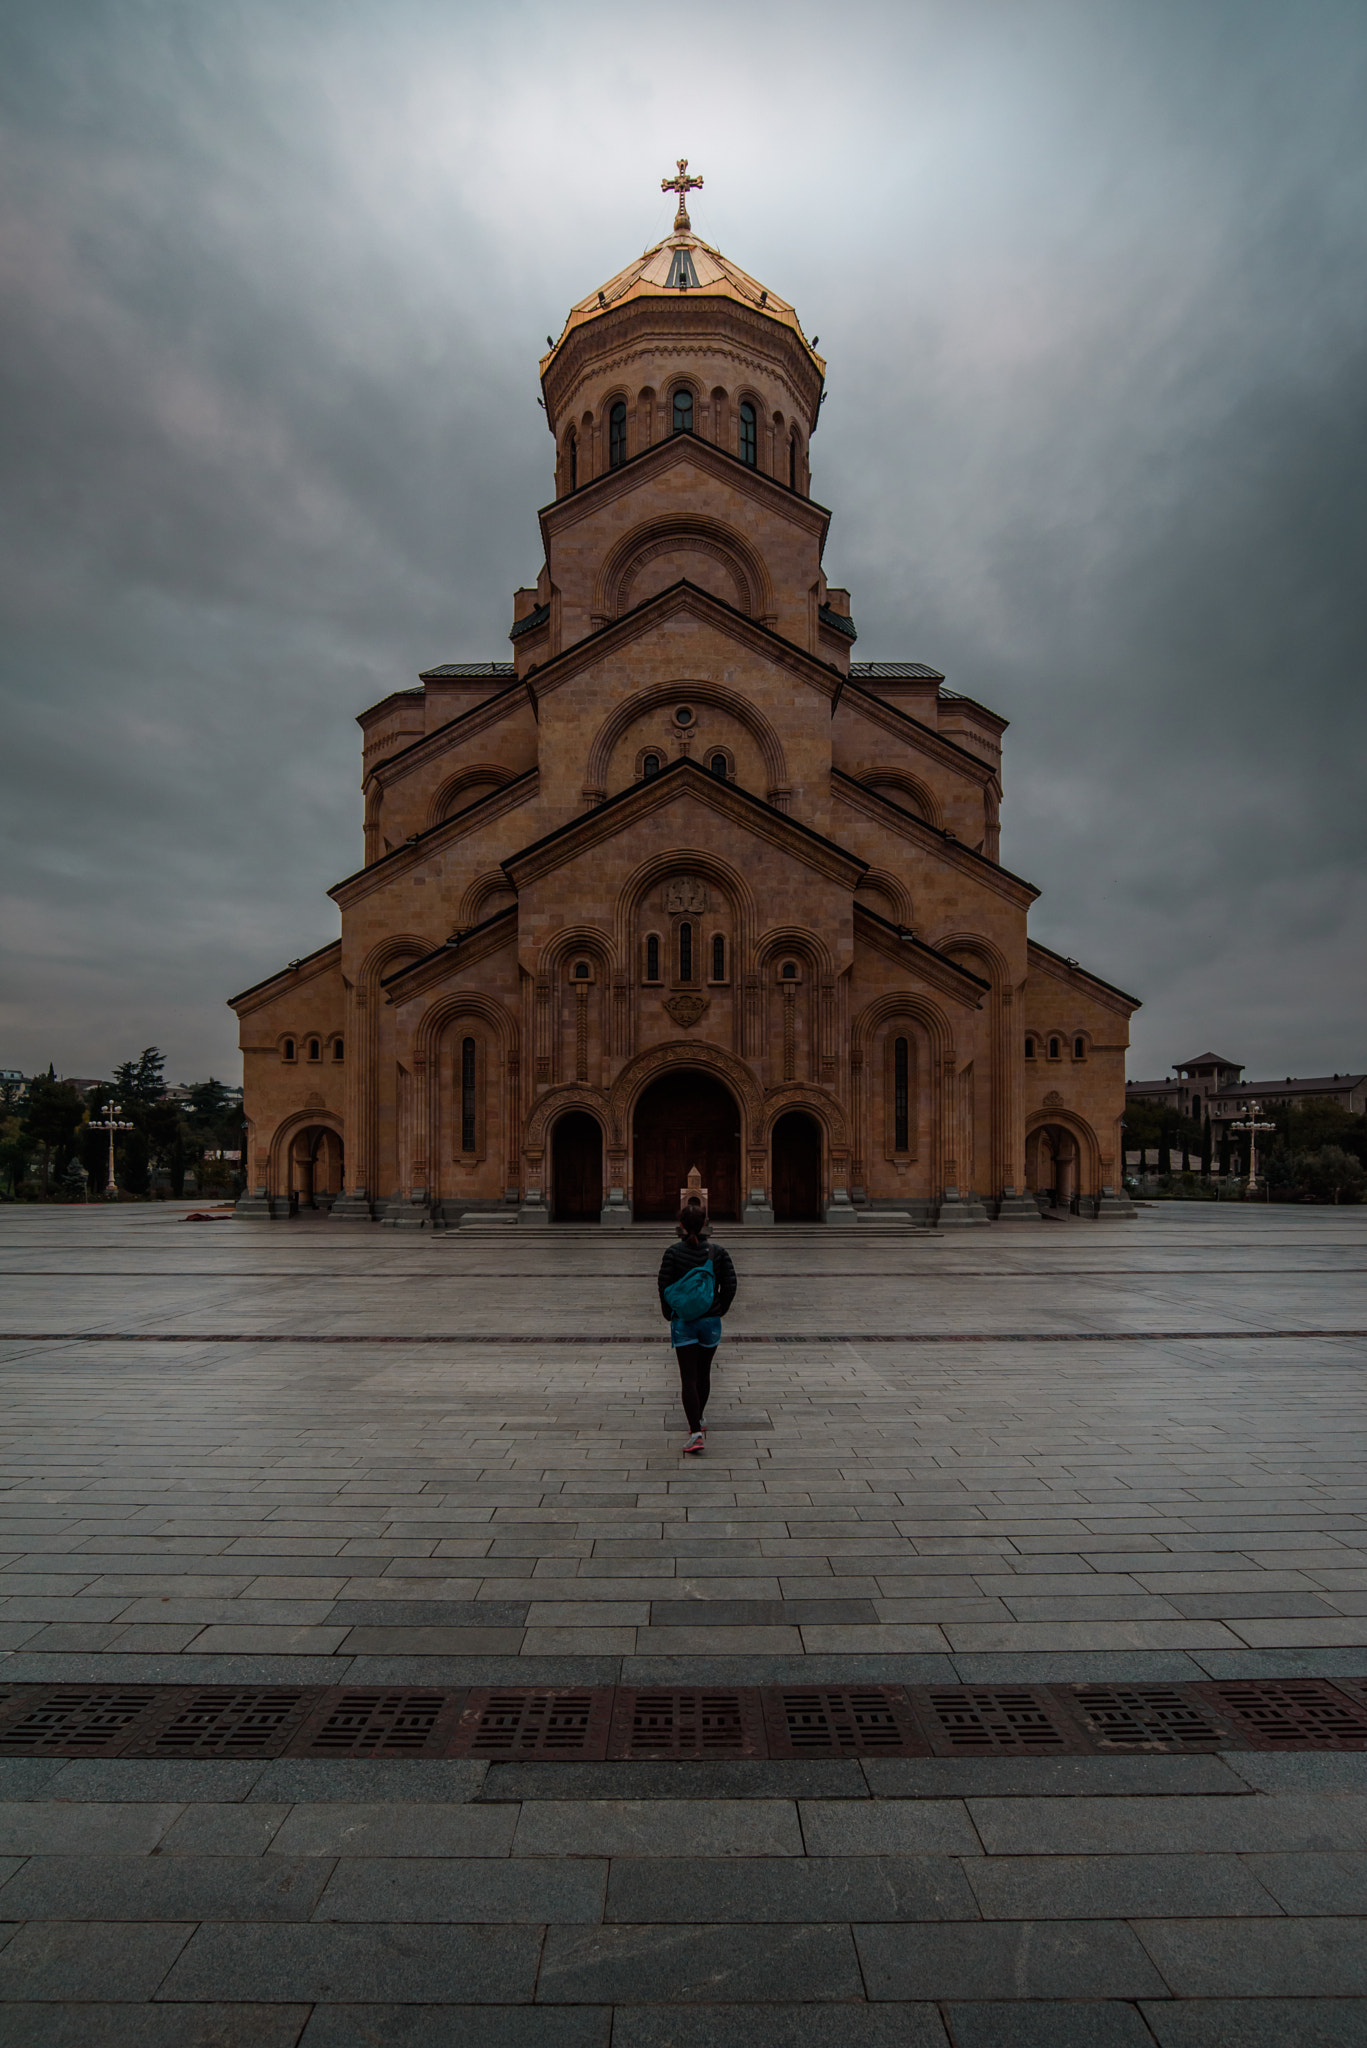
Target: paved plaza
(325, 1454)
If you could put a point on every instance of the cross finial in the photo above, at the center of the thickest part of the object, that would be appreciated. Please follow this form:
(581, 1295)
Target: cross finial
(683, 185)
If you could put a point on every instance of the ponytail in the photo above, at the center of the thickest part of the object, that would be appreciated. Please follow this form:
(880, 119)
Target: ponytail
(692, 1222)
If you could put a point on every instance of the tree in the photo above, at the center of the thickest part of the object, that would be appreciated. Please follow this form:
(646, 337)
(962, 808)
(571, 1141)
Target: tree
(142, 1079)
(172, 1142)
(1331, 1175)
(51, 1119)
(1206, 1145)
(208, 1103)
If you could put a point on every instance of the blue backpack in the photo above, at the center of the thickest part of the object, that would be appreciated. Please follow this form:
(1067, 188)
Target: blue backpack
(693, 1295)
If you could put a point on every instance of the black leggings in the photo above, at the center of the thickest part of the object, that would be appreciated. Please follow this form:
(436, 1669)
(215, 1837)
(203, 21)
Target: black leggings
(695, 1379)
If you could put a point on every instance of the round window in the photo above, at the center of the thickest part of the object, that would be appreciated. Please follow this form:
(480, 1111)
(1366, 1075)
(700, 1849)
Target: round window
(683, 716)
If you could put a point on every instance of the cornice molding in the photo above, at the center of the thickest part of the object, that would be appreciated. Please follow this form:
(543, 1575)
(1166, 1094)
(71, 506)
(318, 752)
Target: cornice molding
(658, 326)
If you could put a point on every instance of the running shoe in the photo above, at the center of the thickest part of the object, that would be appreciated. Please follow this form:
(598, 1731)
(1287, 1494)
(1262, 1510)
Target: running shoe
(697, 1442)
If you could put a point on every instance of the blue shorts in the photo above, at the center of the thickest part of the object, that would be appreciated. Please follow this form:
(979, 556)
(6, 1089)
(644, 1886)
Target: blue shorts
(706, 1330)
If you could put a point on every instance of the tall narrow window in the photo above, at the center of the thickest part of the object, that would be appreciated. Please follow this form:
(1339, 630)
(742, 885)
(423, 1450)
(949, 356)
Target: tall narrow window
(617, 435)
(749, 439)
(1080, 1050)
(652, 958)
(1029, 1048)
(287, 1049)
(315, 1049)
(467, 1095)
(338, 1050)
(901, 1103)
(650, 766)
(718, 766)
(685, 952)
(683, 411)
(718, 957)
(792, 462)
(789, 971)
(572, 457)
(1055, 1049)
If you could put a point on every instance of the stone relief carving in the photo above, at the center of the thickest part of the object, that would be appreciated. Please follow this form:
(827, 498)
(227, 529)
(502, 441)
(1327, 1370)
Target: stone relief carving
(687, 894)
(1053, 1100)
(687, 1010)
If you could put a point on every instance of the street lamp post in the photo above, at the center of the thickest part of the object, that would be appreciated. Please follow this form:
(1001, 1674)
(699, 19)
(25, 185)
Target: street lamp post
(1252, 1126)
(110, 1122)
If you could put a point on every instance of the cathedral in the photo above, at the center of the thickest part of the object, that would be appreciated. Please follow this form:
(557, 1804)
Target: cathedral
(682, 887)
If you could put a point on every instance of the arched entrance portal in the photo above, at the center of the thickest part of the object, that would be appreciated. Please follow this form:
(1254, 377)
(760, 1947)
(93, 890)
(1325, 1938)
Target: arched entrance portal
(577, 1167)
(685, 1119)
(1051, 1164)
(797, 1168)
(315, 1165)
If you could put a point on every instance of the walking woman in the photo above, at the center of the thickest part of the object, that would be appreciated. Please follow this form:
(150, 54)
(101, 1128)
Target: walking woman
(697, 1283)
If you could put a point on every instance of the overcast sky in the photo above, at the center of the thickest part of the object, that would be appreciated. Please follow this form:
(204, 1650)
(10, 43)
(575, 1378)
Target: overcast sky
(1090, 279)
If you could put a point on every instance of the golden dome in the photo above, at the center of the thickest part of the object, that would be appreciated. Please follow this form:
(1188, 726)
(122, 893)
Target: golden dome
(682, 266)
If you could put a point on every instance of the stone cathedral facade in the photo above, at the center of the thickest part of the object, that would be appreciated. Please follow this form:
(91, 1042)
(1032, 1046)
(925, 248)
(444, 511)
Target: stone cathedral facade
(682, 884)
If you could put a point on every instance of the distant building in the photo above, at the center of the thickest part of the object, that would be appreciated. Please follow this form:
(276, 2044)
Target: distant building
(1210, 1085)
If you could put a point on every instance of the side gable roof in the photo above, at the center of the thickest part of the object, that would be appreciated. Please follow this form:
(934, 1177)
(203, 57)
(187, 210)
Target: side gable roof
(823, 675)
(506, 797)
(482, 709)
(728, 795)
(664, 454)
(306, 969)
(1053, 962)
(453, 949)
(880, 712)
(860, 796)
(919, 947)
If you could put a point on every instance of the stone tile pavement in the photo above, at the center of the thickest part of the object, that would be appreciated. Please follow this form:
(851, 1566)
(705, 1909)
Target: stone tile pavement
(325, 1453)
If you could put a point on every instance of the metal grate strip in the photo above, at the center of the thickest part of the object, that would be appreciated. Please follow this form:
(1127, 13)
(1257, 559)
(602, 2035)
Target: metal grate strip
(873, 1720)
(385, 1721)
(1291, 1713)
(705, 1721)
(77, 1720)
(1001, 1721)
(514, 1721)
(229, 1721)
(1163, 1718)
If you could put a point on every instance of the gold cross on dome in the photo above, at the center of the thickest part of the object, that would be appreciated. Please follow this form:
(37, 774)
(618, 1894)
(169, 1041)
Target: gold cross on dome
(682, 184)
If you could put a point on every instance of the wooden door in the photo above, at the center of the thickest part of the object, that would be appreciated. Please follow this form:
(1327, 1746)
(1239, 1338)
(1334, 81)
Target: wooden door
(577, 1155)
(683, 1120)
(797, 1169)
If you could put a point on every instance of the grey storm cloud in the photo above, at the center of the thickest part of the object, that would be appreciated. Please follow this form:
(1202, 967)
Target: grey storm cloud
(1090, 279)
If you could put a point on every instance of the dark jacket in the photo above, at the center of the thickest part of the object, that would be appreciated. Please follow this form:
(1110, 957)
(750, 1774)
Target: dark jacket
(680, 1257)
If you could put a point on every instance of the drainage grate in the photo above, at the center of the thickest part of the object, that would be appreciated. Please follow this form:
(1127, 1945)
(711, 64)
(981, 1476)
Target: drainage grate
(515, 1722)
(875, 1720)
(705, 1722)
(1152, 1717)
(1014, 1721)
(228, 1720)
(1292, 1713)
(383, 1722)
(76, 1720)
